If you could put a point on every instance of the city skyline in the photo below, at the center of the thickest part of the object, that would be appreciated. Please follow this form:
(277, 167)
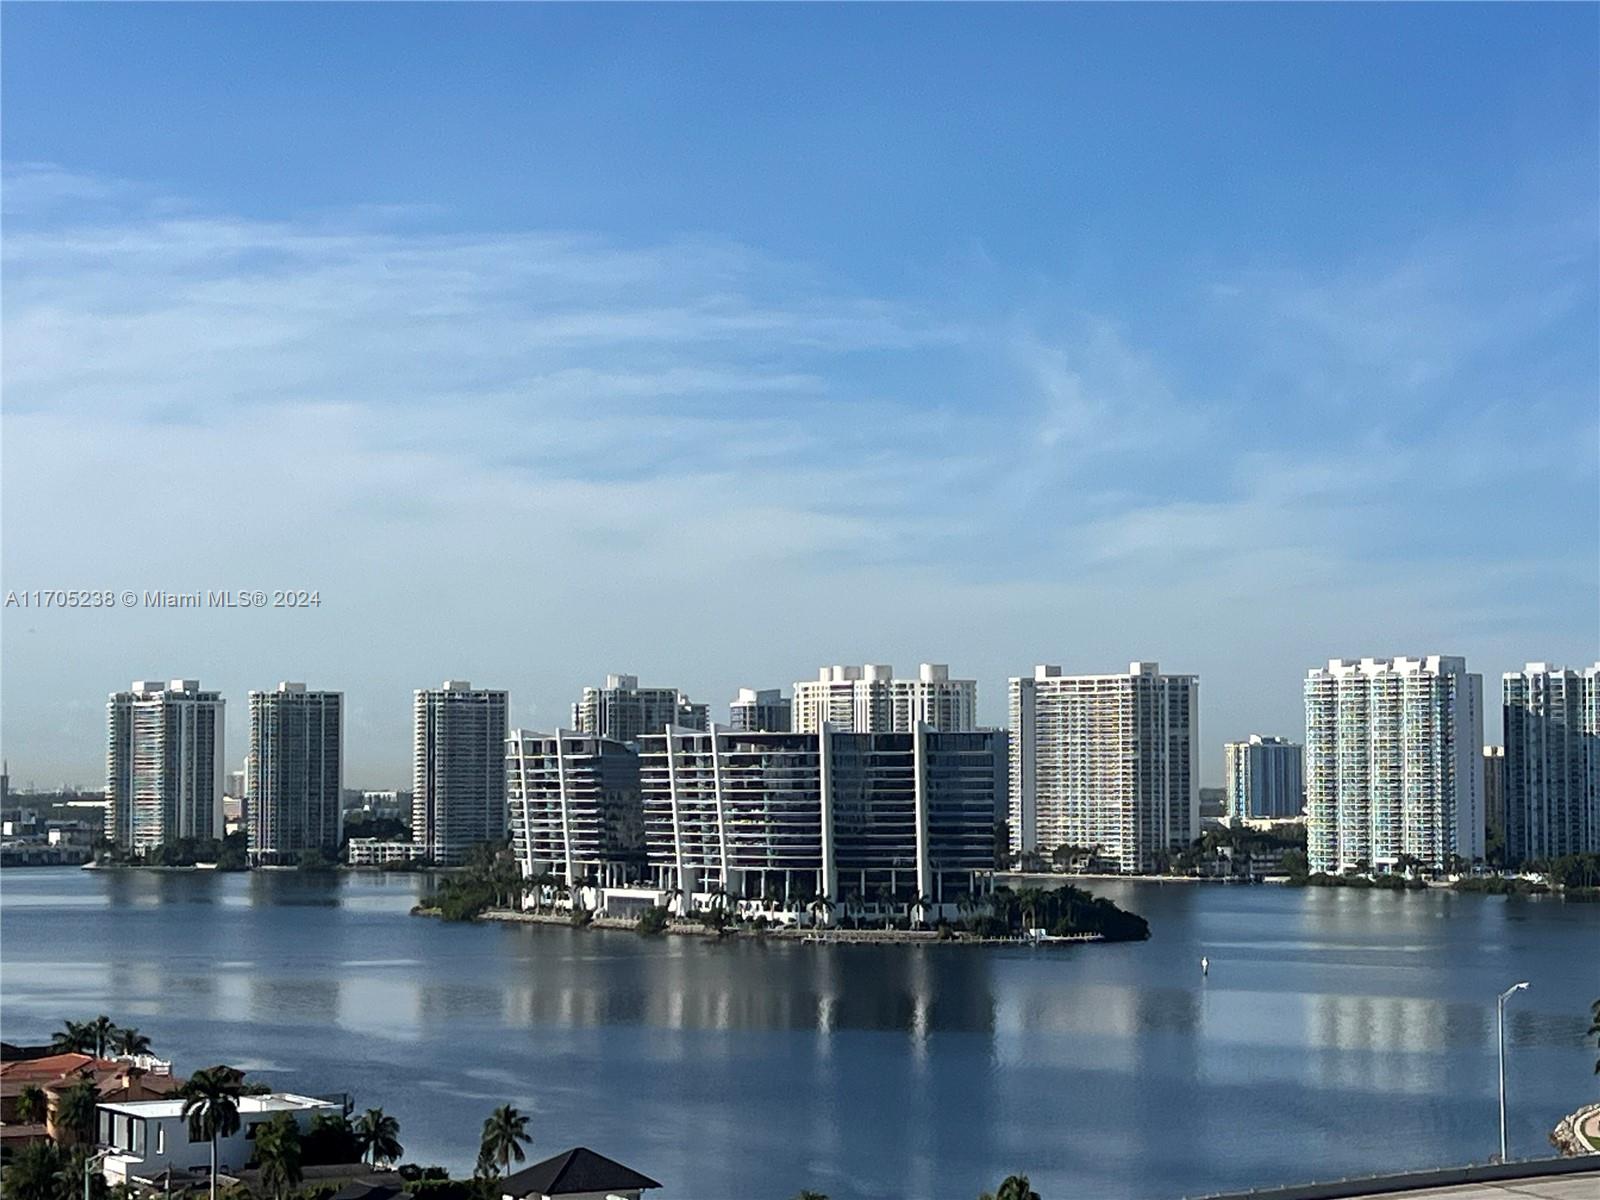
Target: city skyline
(1212, 744)
(1210, 338)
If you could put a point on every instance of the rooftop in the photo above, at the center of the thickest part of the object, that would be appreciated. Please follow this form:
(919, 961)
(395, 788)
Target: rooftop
(273, 1102)
(572, 1173)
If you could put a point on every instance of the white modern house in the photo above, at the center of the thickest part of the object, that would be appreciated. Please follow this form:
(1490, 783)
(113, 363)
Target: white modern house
(143, 1138)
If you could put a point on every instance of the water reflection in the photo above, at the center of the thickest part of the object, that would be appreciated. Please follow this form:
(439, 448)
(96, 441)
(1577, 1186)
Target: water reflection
(1358, 1026)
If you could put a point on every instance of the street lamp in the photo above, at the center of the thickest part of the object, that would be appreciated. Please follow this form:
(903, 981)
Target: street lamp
(1501, 1025)
(88, 1169)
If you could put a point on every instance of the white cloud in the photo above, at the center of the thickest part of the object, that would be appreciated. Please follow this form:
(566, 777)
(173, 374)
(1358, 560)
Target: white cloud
(534, 457)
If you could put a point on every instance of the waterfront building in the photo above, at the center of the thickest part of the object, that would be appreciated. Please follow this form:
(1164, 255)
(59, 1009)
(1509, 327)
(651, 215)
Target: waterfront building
(144, 1138)
(623, 711)
(887, 821)
(1105, 762)
(575, 807)
(1394, 764)
(376, 852)
(294, 783)
(1494, 794)
(1552, 761)
(458, 789)
(1264, 778)
(764, 711)
(164, 764)
(869, 699)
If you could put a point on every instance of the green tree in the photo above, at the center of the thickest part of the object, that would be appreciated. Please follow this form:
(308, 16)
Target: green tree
(130, 1041)
(211, 1107)
(102, 1029)
(32, 1104)
(1012, 1187)
(378, 1135)
(652, 920)
(504, 1135)
(33, 1172)
(331, 1139)
(278, 1153)
(74, 1037)
(75, 1113)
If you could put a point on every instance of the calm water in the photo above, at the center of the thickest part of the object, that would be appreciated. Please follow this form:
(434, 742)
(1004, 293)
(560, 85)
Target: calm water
(1338, 1032)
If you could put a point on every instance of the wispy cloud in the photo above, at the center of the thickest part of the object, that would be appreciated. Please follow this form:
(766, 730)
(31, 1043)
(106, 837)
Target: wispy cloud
(695, 459)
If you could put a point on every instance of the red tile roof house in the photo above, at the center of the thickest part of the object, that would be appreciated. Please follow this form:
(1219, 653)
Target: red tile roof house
(115, 1080)
(576, 1174)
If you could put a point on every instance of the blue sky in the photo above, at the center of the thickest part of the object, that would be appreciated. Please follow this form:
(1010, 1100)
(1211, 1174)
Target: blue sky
(717, 343)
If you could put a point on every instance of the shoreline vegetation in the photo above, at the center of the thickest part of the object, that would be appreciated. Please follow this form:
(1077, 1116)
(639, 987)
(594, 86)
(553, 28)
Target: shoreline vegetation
(491, 887)
(1574, 877)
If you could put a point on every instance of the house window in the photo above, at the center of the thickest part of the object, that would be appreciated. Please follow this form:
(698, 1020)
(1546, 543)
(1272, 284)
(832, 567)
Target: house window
(161, 1139)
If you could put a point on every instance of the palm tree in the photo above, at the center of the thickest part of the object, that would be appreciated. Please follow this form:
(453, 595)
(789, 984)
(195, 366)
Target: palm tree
(674, 896)
(504, 1134)
(918, 912)
(32, 1104)
(103, 1029)
(278, 1153)
(821, 908)
(378, 1135)
(74, 1037)
(1012, 1187)
(75, 1113)
(1028, 901)
(211, 1106)
(33, 1172)
(130, 1042)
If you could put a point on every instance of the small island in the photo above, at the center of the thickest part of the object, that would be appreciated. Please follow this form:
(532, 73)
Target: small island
(492, 887)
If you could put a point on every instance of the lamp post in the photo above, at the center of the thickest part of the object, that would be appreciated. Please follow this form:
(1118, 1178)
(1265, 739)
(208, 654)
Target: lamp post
(88, 1169)
(1501, 1027)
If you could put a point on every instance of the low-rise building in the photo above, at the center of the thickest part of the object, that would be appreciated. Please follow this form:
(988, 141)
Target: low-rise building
(146, 1137)
(375, 852)
(133, 1077)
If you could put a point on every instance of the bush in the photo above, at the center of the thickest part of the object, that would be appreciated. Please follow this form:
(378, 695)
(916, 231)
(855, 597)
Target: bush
(434, 1188)
(652, 920)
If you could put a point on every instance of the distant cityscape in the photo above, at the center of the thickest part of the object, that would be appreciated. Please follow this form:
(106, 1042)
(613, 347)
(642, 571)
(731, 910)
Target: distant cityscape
(861, 783)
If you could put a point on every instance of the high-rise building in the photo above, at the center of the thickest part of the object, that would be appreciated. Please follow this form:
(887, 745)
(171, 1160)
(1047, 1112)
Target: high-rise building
(623, 711)
(294, 783)
(575, 807)
(861, 819)
(1394, 763)
(458, 791)
(164, 764)
(1552, 761)
(1264, 778)
(1494, 794)
(869, 699)
(764, 711)
(1105, 761)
